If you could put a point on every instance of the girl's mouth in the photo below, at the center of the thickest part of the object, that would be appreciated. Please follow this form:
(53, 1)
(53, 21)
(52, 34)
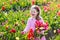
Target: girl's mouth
(33, 14)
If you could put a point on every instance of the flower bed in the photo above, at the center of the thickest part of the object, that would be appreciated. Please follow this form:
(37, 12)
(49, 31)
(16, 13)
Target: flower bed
(13, 20)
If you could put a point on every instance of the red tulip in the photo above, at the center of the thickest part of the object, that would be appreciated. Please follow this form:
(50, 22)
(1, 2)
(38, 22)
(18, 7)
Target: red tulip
(47, 23)
(3, 8)
(58, 13)
(30, 34)
(46, 26)
(58, 5)
(58, 31)
(33, 2)
(12, 31)
(46, 8)
(38, 23)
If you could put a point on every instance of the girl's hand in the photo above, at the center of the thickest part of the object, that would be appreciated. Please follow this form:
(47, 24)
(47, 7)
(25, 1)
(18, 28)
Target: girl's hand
(22, 32)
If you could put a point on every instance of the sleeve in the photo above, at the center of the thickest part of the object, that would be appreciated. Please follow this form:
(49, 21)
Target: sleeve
(27, 26)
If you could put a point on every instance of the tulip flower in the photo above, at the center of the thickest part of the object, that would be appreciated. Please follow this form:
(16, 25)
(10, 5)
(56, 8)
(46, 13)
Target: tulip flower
(39, 24)
(45, 26)
(30, 34)
(58, 31)
(58, 13)
(12, 31)
(33, 2)
(46, 8)
(3, 8)
(58, 5)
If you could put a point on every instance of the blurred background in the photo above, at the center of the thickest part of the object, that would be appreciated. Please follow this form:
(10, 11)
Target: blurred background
(15, 13)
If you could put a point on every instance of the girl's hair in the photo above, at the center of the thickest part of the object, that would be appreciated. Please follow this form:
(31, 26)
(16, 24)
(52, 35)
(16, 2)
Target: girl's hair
(38, 11)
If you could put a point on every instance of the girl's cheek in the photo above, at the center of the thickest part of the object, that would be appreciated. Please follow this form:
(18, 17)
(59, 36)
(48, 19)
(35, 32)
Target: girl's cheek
(35, 14)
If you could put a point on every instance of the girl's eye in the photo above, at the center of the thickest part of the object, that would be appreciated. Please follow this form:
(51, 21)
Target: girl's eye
(32, 12)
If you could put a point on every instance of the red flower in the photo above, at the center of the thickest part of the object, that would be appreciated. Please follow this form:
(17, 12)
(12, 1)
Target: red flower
(31, 31)
(47, 23)
(3, 8)
(46, 26)
(58, 5)
(38, 23)
(46, 8)
(58, 31)
(30, 34)
(58, 13)
(12, 31)
(33, 2)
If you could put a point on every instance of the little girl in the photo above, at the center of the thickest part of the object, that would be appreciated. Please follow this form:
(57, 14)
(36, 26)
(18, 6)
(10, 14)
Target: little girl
(35, 11)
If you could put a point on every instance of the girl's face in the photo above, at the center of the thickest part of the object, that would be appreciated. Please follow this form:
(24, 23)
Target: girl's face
(33, 13)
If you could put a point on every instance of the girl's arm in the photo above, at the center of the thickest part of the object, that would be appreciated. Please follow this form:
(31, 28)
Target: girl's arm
(27, 26)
